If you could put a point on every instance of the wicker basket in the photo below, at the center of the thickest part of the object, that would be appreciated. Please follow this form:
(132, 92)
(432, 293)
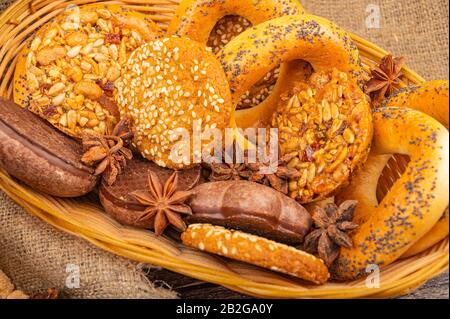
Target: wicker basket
(84, 217)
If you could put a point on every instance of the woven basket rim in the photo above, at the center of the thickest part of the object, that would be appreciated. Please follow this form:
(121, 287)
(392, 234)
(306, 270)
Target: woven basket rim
(87, 220)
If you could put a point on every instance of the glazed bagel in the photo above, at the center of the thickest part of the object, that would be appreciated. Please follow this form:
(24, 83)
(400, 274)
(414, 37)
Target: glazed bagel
(431, 98)
(416, 200)
(259, 49)
(196, 19)
(435, 235)
(215, 23)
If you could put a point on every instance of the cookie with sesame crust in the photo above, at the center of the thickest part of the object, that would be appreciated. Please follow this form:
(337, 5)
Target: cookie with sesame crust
(170, 88)
(256, 250)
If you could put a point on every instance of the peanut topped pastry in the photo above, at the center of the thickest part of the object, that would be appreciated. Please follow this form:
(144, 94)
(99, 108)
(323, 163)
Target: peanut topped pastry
(171, 88)
(68, 72)
(325, 125)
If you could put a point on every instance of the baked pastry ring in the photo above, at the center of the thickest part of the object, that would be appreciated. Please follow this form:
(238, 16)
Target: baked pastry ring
(259, 49)
(215, 23)
(431, 98)
(68, 71)
(196, 19)
(416, 200)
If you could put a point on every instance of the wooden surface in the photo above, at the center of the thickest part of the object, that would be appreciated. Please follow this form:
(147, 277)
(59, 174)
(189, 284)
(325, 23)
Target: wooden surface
(192, 289)
(188, 288)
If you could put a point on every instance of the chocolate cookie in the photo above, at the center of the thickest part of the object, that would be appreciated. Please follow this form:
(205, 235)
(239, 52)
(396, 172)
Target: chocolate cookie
(124, 207)
(40, 156)
(251, 207)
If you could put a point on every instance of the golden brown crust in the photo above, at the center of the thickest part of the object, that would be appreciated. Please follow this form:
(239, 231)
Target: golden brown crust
(259, 49)
(431, 98)
(326, 125)
(215, 23)
(184, 88)
(435, 235)
(196, 19)
(66, 73)
(416, 200)
(256, 250)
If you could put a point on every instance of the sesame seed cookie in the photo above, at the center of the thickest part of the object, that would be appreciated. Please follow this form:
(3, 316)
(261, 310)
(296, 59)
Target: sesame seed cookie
(172, 87)
(256, 250)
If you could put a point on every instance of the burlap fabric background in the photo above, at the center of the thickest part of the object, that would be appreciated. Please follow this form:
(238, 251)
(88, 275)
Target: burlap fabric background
(416, 29)
(35, 255)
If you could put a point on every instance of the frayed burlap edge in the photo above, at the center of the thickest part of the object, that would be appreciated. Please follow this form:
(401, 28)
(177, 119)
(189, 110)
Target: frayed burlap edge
(35, 256)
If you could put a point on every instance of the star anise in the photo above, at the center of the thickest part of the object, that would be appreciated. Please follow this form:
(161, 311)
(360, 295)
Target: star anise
(108, 153)
(51, 293)
(224, 171)
(385, 78)
(276, 174)
(165, 203)
(331, 226)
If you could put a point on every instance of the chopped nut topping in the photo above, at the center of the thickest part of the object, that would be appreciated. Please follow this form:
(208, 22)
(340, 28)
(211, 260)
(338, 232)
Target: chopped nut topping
(325, 124)
(71, 67)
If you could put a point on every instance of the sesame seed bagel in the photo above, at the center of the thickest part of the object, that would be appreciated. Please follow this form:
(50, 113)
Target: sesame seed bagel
(67, 72)
(256, 250)
(216, 22)
(259, 49)
(428, 97)
(416, 200)
(169, 88)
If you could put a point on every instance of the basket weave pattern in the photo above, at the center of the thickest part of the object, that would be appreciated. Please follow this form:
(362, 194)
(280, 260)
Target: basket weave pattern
(84, 217)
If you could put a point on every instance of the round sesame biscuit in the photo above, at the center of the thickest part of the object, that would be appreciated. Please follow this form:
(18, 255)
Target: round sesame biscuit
(173, 89)
(256, 250)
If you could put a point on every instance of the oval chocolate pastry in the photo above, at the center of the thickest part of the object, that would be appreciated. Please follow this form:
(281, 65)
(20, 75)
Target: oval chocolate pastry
(132, 201)
(40, 156)
(251, 207)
